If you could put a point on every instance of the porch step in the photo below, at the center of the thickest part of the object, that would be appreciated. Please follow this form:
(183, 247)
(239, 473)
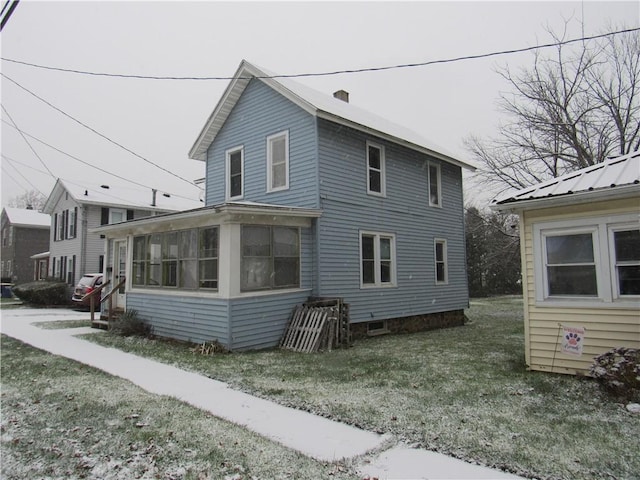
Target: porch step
(103, 324)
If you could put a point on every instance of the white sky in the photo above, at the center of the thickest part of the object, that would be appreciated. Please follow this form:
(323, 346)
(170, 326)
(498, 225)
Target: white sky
(160, 120)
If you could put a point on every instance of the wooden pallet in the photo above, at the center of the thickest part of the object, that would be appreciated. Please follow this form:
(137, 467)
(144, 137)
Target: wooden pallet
(316, 325)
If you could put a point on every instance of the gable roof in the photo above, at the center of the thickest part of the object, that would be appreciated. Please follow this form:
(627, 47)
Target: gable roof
(617, 177)
(22, 217)
(118, 196)
(317, 104)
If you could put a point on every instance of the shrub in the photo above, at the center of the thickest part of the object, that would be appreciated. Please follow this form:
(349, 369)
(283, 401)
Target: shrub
(43, 293)
(130, 324)
(618, 371)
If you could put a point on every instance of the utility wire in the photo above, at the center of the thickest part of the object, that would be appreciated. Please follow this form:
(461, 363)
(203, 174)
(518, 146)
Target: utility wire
(335, 72)
(83, 162)
(95, 131)
(27, 141)
(7, 12)
(25, 179)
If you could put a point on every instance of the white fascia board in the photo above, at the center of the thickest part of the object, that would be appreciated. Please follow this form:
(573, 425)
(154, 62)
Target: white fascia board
(612, 193)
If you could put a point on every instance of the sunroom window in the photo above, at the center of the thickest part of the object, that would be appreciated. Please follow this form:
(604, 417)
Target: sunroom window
(270, 257)
(627, 261)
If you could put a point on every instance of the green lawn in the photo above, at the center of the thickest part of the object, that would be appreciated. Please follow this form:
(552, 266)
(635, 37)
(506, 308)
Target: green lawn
(463, 391)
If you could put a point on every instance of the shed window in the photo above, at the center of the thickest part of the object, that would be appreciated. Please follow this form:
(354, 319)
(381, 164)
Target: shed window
(570, 264)
(626, 264)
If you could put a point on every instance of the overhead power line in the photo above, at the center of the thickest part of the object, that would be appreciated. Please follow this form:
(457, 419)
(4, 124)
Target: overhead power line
(95, 131)
(335, 72)
(7, 10)
(84, 162)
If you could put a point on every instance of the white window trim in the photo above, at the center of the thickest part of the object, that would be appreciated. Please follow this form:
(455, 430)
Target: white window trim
(439, 182)
(270, 139)
(442, 241)
(71, 226)
(376, 256)
(383, 175)
(612, 260)
(227, 180)
(123, 211)
(600, 228)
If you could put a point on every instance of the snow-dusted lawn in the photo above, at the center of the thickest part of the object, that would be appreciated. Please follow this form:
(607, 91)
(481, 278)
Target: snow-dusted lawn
(462, 391)
(64, 420)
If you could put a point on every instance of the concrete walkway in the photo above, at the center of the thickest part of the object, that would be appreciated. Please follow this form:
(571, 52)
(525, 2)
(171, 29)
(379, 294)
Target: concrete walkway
(331, 440)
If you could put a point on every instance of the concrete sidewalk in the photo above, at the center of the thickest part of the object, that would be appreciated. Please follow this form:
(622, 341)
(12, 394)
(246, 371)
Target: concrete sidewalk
(331, 440)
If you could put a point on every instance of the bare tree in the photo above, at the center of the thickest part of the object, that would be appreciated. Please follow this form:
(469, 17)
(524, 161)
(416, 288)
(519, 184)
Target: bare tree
(31, 199)
(571, 109)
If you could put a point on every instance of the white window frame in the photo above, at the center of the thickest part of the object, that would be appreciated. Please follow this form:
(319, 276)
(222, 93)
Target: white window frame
(382, 170)
(431, 165)
(270, 165)
(123, 211)
(601, 228)
(377, 260)
(612, 258)
(445, 261)
(71, 224)
(228, 154)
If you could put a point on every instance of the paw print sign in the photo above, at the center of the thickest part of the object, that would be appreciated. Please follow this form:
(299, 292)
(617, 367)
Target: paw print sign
(572, 340)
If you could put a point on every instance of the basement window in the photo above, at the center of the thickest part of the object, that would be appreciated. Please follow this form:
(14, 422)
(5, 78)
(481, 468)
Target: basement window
(377, 328)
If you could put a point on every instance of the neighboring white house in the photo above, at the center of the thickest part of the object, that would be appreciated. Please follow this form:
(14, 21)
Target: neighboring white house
(580, 244)
(75, 208)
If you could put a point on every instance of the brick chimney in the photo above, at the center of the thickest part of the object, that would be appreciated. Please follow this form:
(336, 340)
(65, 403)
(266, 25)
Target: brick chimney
(342, 95)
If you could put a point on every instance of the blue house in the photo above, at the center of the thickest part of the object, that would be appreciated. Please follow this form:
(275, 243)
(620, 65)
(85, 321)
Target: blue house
(306, 195)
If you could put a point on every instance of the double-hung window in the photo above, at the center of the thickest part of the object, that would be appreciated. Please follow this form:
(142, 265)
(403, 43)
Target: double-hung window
(625, 260)
(235, 173)
(435, 194)
(375, 170)
(377, 259)
(278, 162)
(441, 267)
(594, 261)
(270, 257)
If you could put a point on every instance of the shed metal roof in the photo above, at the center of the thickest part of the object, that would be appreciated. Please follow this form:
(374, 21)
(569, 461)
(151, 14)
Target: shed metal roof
(615, 176)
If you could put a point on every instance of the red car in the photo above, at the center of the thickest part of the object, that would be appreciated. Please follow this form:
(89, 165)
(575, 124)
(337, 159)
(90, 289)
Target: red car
(87, 284)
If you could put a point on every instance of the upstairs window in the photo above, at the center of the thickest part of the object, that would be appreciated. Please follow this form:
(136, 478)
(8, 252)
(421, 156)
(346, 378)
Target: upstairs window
(71, 227)
(235, 173)
(377, 259)
(441, 261)
(278, 162)
(435, 195)
(375, 170)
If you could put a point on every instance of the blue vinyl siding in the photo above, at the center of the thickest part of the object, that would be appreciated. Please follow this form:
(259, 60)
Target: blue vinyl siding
(404, 212)
(191, 319)
(261, 112)
(259, 322)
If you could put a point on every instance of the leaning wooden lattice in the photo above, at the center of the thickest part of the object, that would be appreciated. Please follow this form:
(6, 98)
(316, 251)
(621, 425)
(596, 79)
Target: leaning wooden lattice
(310, 329)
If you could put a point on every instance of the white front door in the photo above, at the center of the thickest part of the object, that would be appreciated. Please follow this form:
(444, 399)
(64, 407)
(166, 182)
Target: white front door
(119, 271)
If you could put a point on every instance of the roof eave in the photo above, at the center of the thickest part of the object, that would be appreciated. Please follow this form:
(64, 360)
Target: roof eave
(612, 193)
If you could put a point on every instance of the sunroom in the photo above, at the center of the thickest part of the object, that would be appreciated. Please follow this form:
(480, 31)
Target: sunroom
(230, 273)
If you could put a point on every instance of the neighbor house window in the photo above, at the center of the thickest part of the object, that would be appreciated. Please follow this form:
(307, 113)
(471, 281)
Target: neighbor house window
(435, 196)
(278, 161)
(570, 264)
(375, 170)
(377, 259)
(626, 260)
(440, 250)
(270, 257)
(235, 172)
(185, 259)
